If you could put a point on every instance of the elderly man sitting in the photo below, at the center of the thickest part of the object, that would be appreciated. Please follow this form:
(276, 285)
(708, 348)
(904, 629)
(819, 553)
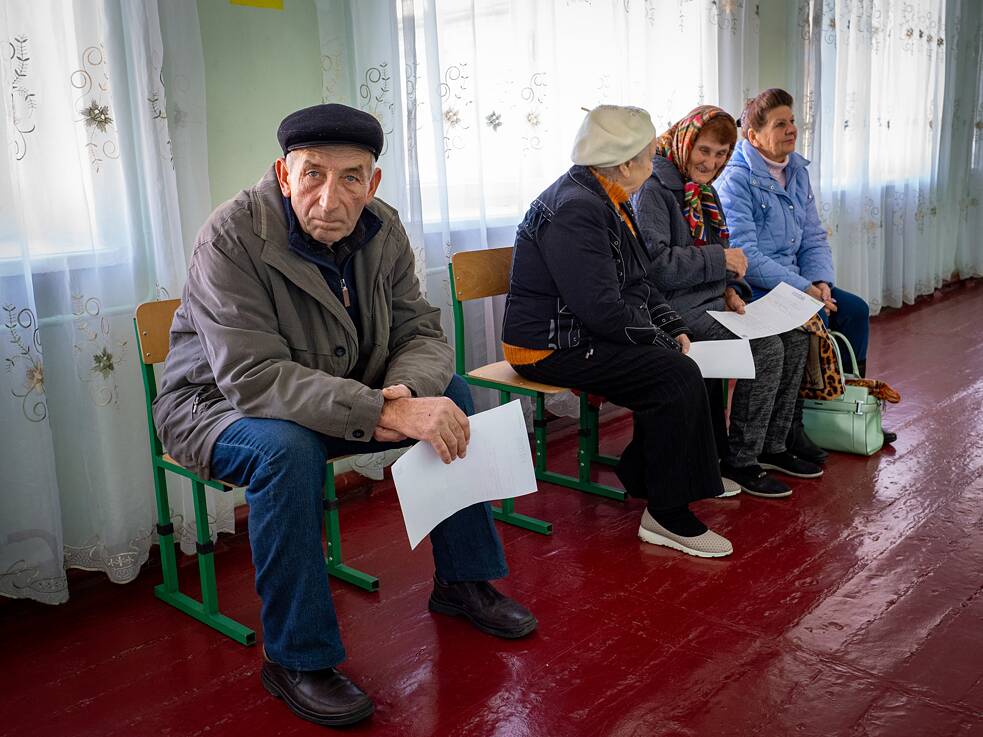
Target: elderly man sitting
(581, 312)
(302, 335)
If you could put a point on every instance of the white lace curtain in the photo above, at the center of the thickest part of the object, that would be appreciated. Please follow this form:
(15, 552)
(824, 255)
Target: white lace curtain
(481, 100)
(103, 182)
(890, 108)
(89, 227)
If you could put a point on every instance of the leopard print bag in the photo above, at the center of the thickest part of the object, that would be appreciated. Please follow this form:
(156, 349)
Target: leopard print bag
(822, 379)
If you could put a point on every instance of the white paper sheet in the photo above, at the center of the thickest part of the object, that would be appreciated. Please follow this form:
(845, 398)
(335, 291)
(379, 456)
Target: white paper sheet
(783, 308)
(723, 359)
(498, 465)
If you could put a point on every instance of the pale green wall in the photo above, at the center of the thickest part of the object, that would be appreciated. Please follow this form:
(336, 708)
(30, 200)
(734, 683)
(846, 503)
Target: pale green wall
(775, 68)
(259, 65)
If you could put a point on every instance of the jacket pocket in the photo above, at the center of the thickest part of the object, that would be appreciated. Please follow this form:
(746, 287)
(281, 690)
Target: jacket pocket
(290, 324)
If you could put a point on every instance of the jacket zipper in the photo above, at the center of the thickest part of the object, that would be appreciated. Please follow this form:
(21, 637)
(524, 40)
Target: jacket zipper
(345, 300)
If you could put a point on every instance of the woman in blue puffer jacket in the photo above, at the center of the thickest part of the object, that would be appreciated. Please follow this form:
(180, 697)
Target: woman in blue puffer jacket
(771, 212)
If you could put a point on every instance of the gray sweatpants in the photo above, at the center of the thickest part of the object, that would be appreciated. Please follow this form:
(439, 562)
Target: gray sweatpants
(761, 410)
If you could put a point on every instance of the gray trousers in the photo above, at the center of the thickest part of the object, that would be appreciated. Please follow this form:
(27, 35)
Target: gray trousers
(761, 410)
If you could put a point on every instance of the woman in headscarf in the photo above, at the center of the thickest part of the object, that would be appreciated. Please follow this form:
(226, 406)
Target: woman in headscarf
(693, 265)
(581, 313)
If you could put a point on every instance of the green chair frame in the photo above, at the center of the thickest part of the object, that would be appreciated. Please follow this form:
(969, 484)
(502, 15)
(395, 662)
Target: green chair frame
(485, 273)
(152, 325)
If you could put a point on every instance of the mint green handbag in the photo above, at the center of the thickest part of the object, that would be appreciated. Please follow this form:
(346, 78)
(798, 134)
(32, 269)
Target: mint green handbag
(851, 423)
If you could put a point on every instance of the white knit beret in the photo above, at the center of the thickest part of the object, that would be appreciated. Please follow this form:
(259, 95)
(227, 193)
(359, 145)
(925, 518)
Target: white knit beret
(611, 135)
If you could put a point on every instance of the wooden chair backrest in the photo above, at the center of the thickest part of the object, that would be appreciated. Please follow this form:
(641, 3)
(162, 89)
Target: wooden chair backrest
(154, 328)
(480, 274)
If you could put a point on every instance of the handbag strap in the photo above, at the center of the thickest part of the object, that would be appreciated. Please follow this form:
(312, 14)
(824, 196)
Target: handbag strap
(839, 361)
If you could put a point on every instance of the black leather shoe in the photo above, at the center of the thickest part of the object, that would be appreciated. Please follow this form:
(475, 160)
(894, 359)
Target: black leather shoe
(889, 437)
(325, 697)
(485, 607)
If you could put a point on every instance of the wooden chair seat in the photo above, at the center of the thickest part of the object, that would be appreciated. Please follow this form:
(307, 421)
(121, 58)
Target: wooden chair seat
(502, 372)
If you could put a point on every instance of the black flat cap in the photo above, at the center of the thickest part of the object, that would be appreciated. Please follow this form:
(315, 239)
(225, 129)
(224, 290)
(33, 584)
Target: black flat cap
(333, 123)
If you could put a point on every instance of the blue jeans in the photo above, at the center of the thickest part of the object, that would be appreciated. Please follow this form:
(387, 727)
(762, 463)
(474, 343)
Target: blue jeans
(282, 464)
(852, 318)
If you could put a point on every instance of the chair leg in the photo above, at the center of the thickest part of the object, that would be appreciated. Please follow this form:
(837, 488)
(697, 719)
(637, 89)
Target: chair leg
(539, 432)
(585, 456)
(506, 513)
(594, 428)
(206, 550)
(332, 527)
(205, 611)
(165, 532)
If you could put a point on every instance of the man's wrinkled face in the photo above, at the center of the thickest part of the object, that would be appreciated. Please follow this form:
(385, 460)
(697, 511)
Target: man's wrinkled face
(328, 187)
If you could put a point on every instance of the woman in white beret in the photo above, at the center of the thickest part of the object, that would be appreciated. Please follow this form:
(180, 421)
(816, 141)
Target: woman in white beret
(581, 313)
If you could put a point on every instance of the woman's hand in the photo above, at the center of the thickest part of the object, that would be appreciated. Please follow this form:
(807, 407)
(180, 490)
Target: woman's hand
(683, 341)
(822, 292)
(736, 261)
(827, 297)
(733, 301)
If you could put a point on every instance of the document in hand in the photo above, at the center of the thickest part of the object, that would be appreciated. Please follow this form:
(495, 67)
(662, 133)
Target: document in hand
(784, 308)
(723, 359)
(498, 465)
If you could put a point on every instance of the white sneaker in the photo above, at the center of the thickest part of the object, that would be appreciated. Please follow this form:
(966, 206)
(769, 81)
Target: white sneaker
(731, 488)
(707, 545)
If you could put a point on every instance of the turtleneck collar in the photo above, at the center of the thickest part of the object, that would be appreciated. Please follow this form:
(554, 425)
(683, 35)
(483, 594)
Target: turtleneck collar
(776, 169)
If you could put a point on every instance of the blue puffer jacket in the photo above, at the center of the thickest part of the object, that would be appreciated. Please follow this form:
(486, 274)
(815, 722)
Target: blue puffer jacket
(778, 228)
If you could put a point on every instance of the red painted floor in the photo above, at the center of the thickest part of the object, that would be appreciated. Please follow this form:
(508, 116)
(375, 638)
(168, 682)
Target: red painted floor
(852, 609)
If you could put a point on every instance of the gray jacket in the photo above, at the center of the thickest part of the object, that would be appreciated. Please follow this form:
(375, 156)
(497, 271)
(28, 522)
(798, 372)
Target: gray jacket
(691, 278)
(260, 334)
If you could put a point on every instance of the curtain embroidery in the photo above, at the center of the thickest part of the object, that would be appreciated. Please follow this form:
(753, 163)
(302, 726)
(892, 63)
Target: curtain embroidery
(95, 363)
(93, 79)
(26, 361)
(456, 102)
(23, 100)
(376, 97)
(534, 96)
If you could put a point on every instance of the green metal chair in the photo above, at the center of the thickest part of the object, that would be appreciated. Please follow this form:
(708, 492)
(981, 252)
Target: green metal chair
(152, 324)
(481, 274)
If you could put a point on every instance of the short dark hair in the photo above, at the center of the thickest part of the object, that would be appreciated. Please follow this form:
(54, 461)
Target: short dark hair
(757, 108)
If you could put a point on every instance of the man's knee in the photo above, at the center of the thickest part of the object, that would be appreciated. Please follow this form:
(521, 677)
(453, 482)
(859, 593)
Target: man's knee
(287, 444)
(254, 449)
(459, 392)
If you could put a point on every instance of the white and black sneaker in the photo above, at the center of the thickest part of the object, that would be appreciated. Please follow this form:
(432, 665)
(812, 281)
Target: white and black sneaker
(790, 464)
(754, 480)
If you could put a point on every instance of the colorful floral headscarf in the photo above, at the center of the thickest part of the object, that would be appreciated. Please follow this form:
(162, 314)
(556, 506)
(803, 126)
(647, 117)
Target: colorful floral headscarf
(699, 200)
